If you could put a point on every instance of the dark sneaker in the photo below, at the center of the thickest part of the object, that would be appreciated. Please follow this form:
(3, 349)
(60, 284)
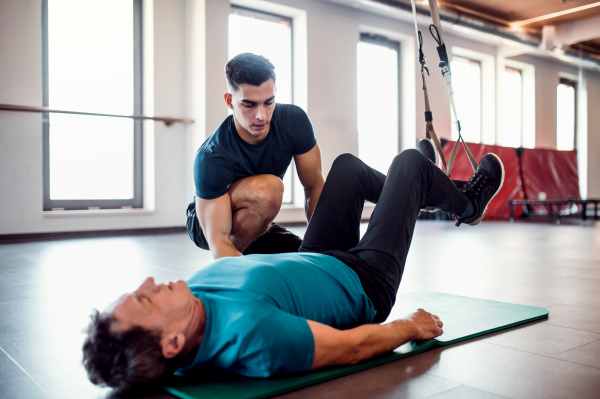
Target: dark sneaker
(426, 147)
(483, 186)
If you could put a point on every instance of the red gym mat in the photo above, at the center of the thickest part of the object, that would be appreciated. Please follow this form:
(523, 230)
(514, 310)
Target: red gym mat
(513, 186)
(551, 172)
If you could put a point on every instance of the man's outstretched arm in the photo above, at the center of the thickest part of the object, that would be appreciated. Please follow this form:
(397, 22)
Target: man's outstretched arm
(335, 347)
(215, 218)
(310, 173)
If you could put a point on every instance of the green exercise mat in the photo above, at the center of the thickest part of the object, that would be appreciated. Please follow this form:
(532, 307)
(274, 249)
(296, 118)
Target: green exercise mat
(463, 318)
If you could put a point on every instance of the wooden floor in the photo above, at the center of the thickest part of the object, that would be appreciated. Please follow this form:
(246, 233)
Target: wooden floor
(47, 290)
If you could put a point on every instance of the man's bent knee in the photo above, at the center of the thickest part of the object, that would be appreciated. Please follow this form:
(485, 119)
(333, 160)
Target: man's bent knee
(262, 192)
(410, 156)
(346, 163)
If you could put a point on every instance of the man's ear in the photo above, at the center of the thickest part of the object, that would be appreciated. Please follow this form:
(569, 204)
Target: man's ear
(228, 100)
(172, 345)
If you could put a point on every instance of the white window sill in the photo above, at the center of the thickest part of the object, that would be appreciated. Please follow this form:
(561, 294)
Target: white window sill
(291, 206)
(97, 212)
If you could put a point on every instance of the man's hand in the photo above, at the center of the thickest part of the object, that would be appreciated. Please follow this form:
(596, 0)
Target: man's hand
(334, 347)
(310, 173)
(426, 325)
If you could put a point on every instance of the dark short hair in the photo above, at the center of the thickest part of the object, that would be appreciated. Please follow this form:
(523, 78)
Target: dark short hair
(250, 69)
(122, 360)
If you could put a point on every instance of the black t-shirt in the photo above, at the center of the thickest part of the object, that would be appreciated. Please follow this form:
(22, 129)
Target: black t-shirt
(225, 158)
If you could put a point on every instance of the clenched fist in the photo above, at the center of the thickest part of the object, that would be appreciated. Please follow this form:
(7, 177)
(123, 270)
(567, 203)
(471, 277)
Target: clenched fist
(426, 325)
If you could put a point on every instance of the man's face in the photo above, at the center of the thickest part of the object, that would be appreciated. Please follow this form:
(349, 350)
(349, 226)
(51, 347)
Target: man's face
(164, 307)
(253, 108)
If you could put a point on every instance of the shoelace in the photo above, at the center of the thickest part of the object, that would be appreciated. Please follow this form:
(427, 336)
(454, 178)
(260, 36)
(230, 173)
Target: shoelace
(475, 184)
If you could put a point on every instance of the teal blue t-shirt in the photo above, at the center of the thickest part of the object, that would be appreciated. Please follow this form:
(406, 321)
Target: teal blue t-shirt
(257, 306)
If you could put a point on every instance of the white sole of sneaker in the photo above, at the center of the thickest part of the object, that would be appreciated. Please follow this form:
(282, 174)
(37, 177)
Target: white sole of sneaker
(476, 222)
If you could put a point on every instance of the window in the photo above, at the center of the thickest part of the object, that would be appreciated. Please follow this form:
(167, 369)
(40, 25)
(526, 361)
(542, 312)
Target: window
(466, 82)
(269, 35)
(516, 123)
(378, 105)
(565, 115)
(511, 113)
(92, 63)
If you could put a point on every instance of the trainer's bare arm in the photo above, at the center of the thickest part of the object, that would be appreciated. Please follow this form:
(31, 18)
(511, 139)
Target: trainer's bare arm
(310, 173)
(335, 347)
(215, 217)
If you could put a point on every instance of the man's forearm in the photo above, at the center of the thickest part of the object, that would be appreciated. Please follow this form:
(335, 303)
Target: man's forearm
(215, 219)
(333, 346)
(374, 339)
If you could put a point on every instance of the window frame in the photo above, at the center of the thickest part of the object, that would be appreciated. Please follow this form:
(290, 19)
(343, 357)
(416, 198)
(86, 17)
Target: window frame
(528, 111)
(488, 90)
(138, 189)
(273, 16)
(270, 15)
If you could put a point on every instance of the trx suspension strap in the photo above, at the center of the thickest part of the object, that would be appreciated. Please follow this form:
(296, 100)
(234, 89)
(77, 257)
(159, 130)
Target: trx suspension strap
(429, 131)
(436, 32)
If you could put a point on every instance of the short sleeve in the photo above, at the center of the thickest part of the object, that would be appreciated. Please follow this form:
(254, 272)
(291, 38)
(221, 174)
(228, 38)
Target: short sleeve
(302, 131)
(277, 343)
(212, 174)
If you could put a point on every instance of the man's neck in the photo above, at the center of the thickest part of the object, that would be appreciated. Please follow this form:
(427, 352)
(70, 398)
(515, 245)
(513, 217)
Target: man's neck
(195, 331)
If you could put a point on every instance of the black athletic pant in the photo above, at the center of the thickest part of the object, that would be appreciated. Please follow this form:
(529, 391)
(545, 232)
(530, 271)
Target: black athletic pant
(379, 257)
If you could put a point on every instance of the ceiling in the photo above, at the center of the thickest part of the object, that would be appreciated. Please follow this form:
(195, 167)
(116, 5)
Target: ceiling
(565, 24)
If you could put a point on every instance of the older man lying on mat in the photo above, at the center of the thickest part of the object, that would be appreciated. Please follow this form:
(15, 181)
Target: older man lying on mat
(264, 315)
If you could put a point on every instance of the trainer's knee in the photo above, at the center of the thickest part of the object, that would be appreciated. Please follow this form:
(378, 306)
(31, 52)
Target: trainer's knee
(262, 193)
(270, 195)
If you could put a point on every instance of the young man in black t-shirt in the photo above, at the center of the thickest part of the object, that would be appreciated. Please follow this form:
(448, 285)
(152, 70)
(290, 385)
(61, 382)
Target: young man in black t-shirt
(238, 170)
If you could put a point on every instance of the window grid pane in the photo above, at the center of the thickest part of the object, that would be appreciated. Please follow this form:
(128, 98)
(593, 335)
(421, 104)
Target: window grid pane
(565, 116)
(466, 82)
(511, 114)
(100, 148)
(377, 104)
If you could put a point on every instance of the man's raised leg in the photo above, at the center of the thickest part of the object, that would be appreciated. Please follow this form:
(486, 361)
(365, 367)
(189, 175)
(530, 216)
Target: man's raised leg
(412, 181)
(335, 224)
